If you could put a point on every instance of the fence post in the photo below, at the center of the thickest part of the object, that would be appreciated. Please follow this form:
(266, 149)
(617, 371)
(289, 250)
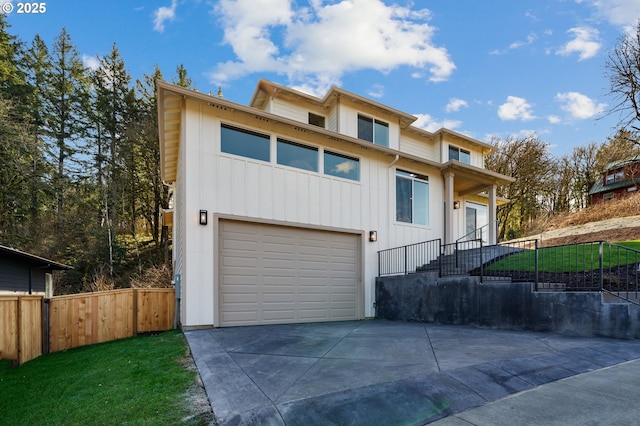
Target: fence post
(481, 264)
(405, 259)
(601, 263)
(536, 266)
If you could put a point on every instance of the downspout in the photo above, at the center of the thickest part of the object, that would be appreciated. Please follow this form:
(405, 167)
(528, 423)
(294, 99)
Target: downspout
(395, 160)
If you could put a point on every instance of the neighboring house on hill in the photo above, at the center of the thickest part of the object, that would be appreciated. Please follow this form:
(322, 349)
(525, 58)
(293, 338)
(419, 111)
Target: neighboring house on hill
(620, 178)
(280, 207)
(24, 273)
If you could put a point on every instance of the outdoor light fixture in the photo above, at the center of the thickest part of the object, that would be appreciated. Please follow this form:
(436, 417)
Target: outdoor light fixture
(203, 217)
(373, 236)
(456, 205)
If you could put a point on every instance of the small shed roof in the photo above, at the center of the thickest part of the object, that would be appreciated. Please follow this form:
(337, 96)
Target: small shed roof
(31, 258)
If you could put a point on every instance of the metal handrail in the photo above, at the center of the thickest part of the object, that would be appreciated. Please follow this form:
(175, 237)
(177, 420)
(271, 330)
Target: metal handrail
(591, 266)
(475, 232)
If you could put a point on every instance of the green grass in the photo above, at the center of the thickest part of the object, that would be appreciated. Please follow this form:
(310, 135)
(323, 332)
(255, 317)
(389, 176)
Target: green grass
(138, 381)
(582, 257)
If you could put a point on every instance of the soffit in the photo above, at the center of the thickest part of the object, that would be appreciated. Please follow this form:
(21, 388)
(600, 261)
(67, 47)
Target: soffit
(473, 180)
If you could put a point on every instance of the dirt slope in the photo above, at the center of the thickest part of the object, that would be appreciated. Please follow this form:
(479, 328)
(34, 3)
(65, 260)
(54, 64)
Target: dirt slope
(612, 221)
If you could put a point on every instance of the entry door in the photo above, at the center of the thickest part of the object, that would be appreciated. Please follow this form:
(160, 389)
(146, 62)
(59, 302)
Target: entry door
(476, 217)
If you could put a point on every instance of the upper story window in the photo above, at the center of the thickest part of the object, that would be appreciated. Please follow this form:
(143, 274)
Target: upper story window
(297, 155)
(341, 166)
(614, 177)
(412, 198)
(459, 154)
(372, 130)
(316, 120)
(245, 143)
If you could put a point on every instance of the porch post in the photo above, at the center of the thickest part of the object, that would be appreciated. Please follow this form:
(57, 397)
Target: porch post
(493, 228)
(448, 201)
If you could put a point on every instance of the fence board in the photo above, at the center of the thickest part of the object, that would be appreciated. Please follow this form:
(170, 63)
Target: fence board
(20, 327)
(30, 328)
(156, 307)
(80, 319)
(9, 328)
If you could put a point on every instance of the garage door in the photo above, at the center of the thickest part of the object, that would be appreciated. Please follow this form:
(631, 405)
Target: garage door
(276, 274)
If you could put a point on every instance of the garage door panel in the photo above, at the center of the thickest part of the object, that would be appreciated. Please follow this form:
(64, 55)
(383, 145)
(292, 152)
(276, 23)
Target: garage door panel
(273, 274)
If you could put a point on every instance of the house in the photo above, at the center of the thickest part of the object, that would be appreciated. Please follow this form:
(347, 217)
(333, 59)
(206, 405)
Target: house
(24, 273)
(280, 207)
(620, 178)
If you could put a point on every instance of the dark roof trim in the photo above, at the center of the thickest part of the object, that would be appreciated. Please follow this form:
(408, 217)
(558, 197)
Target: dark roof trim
(40, 261)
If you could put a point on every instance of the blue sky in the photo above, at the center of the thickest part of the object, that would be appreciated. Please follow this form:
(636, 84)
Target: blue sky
(483, 68)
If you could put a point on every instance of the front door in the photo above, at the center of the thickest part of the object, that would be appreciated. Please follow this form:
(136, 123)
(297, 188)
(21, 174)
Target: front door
(476, 221)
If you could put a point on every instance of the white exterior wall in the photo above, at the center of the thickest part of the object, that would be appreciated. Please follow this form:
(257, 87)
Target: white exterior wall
(348, 121)
(241, 187)
(420, 147)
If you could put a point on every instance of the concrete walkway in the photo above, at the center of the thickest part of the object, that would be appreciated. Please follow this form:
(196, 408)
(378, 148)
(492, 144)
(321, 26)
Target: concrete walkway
(394, 373)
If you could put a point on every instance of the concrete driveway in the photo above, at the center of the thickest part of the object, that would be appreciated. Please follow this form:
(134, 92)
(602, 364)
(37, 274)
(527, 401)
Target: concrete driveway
(377, 372)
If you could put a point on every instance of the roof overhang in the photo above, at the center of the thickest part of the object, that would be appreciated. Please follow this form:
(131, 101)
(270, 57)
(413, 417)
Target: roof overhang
(37, 261)
(473, 180)
(469, 179)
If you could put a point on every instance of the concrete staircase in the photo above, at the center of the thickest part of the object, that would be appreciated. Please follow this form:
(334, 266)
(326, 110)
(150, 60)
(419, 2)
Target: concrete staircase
(462, 262)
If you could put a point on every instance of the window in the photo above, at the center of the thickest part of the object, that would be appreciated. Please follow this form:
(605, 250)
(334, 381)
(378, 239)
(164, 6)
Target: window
(297, 155)
(245, 143)
(459, 154)
(608, 196)
(412, 198)
(341, 166)
(373, 130)
(614, 177)
(316, 120)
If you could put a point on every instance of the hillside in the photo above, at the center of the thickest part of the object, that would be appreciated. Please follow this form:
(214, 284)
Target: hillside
(611, 221)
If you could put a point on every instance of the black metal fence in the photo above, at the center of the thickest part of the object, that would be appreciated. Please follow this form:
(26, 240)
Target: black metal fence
(409, 258)
(592, 266)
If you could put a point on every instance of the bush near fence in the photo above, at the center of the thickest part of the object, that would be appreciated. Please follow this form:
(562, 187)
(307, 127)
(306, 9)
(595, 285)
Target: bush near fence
(31, 325)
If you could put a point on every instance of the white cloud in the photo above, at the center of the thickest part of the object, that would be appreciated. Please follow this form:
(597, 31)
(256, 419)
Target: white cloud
(311, 43)
(430, 124)
(531, 38)
(91, 62)
(585, 43)
(622, 13)
(580, 106)
(455, 104)
(163, 14)
(376, 91)
(515, 109)
(554, 119)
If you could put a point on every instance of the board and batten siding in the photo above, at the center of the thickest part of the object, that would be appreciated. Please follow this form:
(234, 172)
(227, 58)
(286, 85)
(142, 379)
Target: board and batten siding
(229, 186)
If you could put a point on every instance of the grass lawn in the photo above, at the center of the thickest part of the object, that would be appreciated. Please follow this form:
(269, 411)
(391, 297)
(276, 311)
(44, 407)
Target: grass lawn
(142, 380)
(581, 257)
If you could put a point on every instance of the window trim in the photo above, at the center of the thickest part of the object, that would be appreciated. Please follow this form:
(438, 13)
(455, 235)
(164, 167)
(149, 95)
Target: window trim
(249, 132)
(374, 121)
(317, 116)
(459, 150)
(413, 177)
(339, 154)
(301, 145)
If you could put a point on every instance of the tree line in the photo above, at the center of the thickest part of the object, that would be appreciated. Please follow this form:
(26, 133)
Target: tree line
(79, 160)
(546, 186)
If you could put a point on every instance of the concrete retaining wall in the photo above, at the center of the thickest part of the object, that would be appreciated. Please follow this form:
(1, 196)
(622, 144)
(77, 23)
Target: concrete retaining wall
(514, 306)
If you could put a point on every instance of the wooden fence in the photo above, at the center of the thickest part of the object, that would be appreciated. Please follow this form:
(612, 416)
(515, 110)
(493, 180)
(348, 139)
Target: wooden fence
(31, 326)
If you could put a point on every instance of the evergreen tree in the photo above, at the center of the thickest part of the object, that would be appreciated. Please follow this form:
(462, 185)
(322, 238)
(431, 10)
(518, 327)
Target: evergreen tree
(64, 112)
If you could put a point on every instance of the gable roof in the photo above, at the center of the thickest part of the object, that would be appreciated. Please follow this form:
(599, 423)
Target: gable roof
(39, 262)
(171, 105)
(266, 89)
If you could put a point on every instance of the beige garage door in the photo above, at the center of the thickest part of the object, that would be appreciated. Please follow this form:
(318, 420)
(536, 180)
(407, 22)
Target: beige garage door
(276, 274)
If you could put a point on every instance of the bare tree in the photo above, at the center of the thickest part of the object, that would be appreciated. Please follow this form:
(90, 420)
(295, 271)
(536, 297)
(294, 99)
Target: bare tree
(623, 70)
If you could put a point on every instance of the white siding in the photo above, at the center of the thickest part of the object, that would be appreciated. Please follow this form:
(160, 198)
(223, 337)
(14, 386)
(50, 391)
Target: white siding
(233, 186)
(420, 147)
